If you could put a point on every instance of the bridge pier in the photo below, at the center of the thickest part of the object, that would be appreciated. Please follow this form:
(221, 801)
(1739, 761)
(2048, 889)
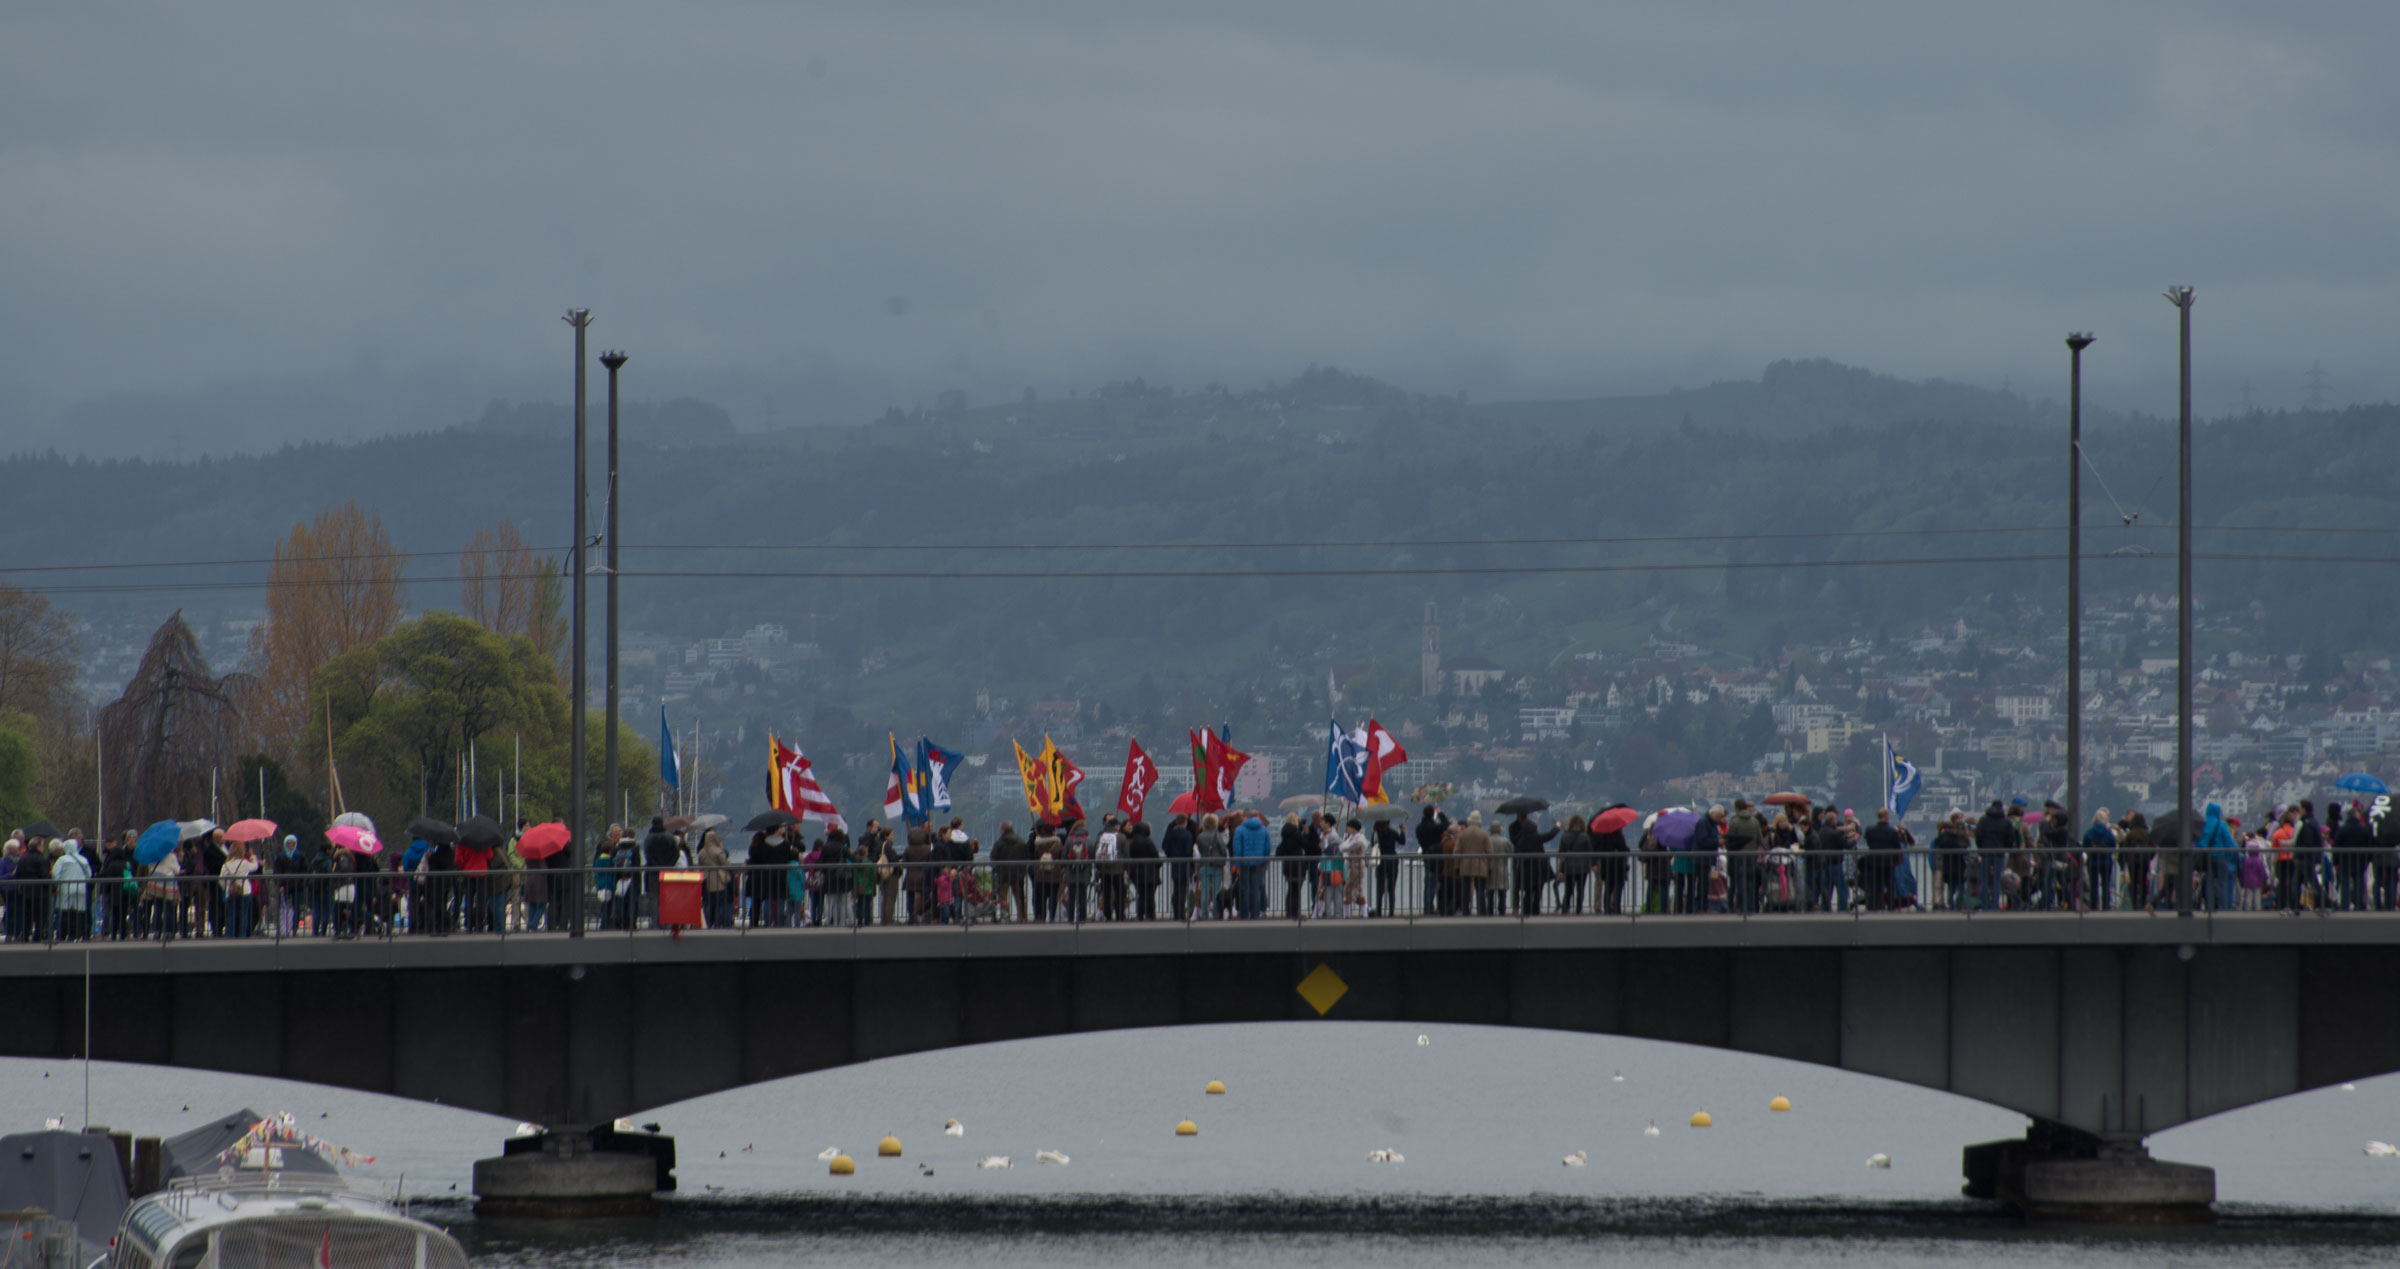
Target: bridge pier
(2059, 1174)
(569, 1173)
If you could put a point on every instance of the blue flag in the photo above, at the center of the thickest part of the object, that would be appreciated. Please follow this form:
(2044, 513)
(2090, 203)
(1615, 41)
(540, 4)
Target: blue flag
(934, 765)
(1901, 782)
(1345, 764)
(670, 764)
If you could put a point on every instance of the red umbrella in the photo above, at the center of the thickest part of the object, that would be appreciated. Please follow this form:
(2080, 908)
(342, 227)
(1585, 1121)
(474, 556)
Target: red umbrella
(542, 841)
(1184, 804)
(250, 831)
(1784, 799)
(1615, 819)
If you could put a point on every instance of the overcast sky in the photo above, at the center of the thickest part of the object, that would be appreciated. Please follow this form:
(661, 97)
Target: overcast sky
(836, 206)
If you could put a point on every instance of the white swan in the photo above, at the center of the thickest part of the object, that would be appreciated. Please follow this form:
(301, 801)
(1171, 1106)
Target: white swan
(2349, 1088)
(994, 1161)
(1879, 1160)
(1422, 1042)
(1385, 1156)
(1617, 1078)
(828, 1153)
(2379, 1150)
(1058, 1157)
(1652, 1130)
(953, 1128)
(1576, 1160)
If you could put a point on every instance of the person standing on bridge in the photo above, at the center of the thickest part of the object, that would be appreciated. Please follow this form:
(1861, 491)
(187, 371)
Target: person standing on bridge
(1141, 870)
(1528, 842)
(1252, 849)
(1883, 850)
(1010, 855)
(1178, 848)
(1430, 827)
(1212, 846)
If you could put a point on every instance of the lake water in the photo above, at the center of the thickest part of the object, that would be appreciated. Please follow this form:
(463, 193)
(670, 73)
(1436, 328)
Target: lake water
(1279, 1170)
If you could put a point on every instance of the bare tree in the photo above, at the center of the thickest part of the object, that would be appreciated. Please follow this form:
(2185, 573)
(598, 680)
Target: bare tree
(335, 586)
(37, 654)
(497, 580)
(174, 727)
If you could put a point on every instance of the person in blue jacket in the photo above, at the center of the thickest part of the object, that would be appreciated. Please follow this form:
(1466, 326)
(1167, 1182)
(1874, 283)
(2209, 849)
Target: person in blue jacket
(1252, 847)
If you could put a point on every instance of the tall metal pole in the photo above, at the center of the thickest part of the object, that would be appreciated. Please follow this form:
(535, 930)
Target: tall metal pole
(580, 319)
(608, 745)
(2181, 298)
(2077, 341)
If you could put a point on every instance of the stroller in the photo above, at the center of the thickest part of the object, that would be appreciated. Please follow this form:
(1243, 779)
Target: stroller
(977, 900)
(1782, 888)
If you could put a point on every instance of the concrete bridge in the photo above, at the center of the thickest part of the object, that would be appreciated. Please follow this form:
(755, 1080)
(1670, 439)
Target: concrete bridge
(2103, 1028)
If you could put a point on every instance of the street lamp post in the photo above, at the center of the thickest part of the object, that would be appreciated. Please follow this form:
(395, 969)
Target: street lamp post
(614, 361)
(2077, 341)
(2181, 298)
(580, 319)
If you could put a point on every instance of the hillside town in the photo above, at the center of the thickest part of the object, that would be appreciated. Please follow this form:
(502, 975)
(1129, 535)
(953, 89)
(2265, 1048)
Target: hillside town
(1975, 702)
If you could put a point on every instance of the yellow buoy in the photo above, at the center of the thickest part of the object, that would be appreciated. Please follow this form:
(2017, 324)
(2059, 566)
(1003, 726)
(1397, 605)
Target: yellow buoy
(841, 1165)
(1780, 1103)
(1214, 1088)
(1700, 1119)
(889, 1147)
(1187, 1129)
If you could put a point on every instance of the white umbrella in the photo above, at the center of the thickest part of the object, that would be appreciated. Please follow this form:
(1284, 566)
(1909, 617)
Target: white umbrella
(186, 830)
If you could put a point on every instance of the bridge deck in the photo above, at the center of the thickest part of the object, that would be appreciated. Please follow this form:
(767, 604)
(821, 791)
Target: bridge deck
(1928, 930)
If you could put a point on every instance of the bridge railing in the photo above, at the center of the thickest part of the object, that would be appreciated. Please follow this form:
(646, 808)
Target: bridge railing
(537, 901)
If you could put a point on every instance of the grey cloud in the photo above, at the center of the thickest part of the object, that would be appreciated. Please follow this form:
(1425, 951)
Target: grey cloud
(1535, 199)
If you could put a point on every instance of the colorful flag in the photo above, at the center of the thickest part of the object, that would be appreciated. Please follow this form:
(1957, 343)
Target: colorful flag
(903, 798)
(794, 789)
(1383, 754)
(1204, 788)
(1061, 776)
(1141, 775)
(934, 765)
(1900, 782)
(1345, 764)
(1224, 767)
(670, 764)
(1037, 784)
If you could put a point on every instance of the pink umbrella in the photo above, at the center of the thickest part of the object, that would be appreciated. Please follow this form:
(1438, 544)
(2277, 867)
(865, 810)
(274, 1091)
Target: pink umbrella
(250, 831)
(352, 837)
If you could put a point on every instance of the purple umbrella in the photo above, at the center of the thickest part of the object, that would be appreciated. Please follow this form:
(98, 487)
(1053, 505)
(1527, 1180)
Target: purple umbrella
(1673, 828)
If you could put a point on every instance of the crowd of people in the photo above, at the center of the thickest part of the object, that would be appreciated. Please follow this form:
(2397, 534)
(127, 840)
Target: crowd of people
(1236, 865)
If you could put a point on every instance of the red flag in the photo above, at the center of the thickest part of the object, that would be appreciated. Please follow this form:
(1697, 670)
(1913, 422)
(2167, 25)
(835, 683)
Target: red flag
(1383, 754)
(1204, 788)
(1141, 775)
(1224, 766)
(325, 1250)
(794, 787)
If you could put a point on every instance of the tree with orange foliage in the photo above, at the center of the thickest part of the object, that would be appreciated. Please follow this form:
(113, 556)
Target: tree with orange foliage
(334, 586)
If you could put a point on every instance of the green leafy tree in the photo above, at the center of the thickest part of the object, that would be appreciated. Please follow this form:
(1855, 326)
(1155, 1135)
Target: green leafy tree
(408, 708)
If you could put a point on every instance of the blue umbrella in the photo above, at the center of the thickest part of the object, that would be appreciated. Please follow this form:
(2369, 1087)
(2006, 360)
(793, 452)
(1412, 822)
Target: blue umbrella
(157, 842)
(2361, 782)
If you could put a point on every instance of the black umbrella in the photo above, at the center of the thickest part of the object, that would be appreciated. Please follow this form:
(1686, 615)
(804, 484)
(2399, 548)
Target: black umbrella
(769, 821)
(43, 829)
(1523, 806)
(431, 831)
(481, 833)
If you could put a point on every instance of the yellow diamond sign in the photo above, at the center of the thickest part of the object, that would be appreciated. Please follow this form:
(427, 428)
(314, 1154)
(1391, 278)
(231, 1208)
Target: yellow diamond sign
(1322, 989)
